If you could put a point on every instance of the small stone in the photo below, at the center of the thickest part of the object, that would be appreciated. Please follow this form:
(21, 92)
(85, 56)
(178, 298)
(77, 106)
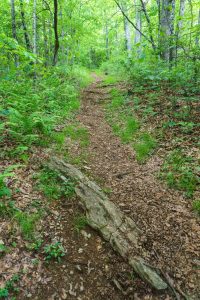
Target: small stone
(78, 267)
(55, 213)
(85, 234)
(81, 287)
(64, 294)
(80, 250)
(29, 295)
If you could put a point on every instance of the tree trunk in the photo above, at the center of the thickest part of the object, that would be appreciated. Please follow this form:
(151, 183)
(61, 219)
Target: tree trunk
(143, 4)
(14, 30)
(197, 37)
(167, 30)
(107, 41)
(115, 227)
(56, 45)
(179, 24)
(127, 32)
(159, 19)
(45, 38)
(138, 23)
(26, 36)
(35, 27)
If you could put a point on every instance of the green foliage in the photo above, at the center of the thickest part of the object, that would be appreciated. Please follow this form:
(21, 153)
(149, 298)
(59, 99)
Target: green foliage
(3, 249)
(117, 99)
(144, 146)
(32, 111)
(178, 170)
(127, 127)
(77, 133)
(4, 190)
(10, 287)
(7, 209)
(36, 246)
(52, 187)
(27, 223)
(80, 222)
(131, 126)
(54, 251)
(3, 293)
(196, 206)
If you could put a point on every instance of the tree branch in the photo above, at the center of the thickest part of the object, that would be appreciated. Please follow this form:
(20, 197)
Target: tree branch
(129, 20)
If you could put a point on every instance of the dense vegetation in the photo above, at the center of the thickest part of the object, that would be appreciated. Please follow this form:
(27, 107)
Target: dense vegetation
(148, 52)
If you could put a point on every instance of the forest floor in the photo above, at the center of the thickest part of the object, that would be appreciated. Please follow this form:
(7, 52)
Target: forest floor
(91, 269)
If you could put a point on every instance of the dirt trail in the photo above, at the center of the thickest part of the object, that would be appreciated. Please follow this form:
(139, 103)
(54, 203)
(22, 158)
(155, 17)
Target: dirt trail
(171, 229)
(91, 269)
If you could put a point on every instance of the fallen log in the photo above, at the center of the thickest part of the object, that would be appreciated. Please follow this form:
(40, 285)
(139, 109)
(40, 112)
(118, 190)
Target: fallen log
(116, 228)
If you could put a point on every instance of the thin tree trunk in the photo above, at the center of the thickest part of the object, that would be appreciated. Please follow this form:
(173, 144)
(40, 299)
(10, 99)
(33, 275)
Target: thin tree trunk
(107, 41)
(14, 30)
(191, 23)
(56, 45)
(45, 39)
(127, 32)
(26, 36)
(167, 30)
(133, 24)
(197, 37)
(149, 23)
(35, 27)
(46, 52)
(159, 20)
(138, 22)
(179, 24)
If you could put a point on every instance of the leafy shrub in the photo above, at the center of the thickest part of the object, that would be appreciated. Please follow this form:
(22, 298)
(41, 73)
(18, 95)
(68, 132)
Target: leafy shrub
(9, 287)
(54, 251)
(52, 187)
(4, 190)
(31, 110)
(178, 170)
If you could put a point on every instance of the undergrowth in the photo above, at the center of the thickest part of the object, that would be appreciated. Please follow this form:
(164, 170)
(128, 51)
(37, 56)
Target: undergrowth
(52, 186)
(30, 110)
(126, 125)
(179, 172)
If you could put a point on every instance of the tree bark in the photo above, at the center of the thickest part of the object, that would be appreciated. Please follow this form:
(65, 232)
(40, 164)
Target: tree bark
(107, 41)
(35, 27)
(127, 32)
(179, 24)
(149, 23)
(138, 22)
(14, 29)
(56, 44)
(167, 30)
(115, 227)
(197, 37)
(134, 25)
(26, 36)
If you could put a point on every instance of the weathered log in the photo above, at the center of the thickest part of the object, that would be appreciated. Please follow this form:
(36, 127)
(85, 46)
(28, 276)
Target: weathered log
(105, 217)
